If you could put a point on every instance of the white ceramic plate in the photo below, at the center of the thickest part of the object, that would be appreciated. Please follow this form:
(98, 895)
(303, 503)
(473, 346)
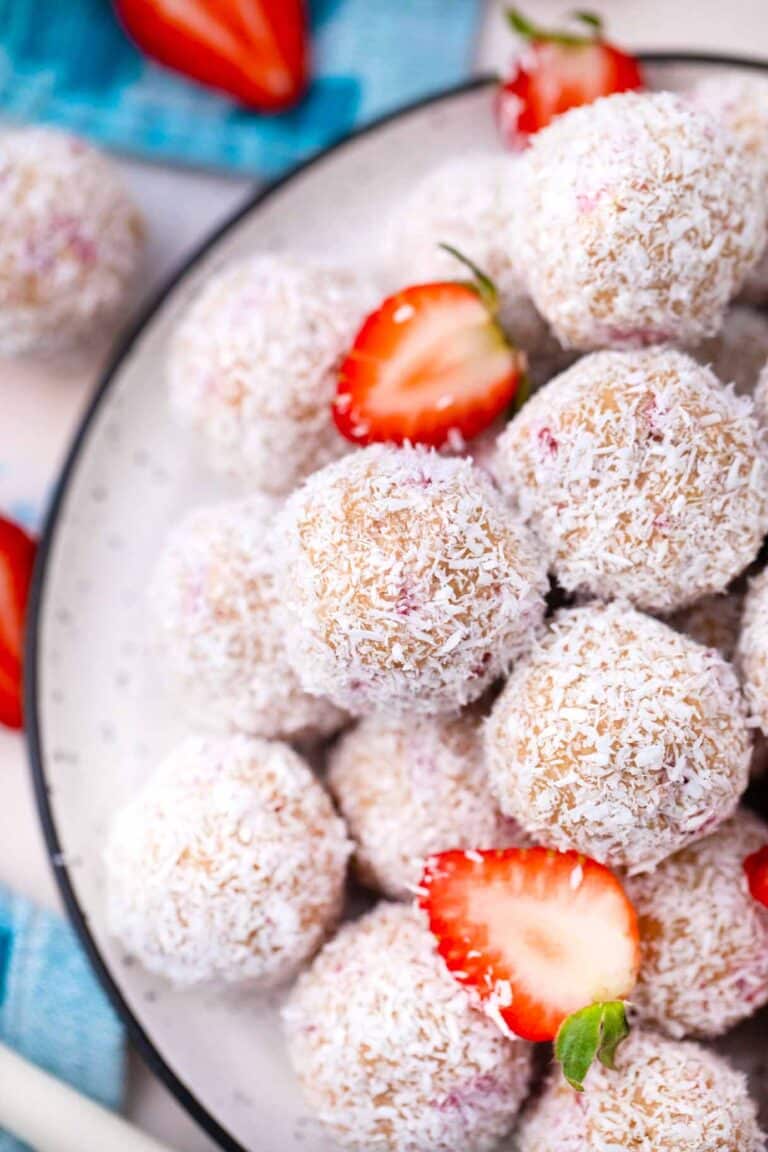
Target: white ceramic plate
(98, 719)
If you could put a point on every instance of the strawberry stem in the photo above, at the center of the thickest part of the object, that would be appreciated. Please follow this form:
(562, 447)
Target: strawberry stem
(481, 281)
(593, 1033)
(530, 31)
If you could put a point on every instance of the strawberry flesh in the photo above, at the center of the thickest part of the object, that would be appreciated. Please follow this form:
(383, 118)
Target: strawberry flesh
(536, 934)
(254, 50)
(431, 361)
(17, 555)
(553, 77)
(756, 868)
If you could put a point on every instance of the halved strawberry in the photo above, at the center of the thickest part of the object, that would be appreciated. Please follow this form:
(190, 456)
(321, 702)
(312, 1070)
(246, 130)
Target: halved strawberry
(537, 934)
(432, 361)
(17, 555)
(255, 50)
(756, 868)
(559, 71)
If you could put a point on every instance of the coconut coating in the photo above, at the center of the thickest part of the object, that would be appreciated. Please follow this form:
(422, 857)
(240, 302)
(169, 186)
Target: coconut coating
(70, 241)
(643, 217)
(471, 203)
(704, 938)
(761, 395)
(388, 1049)
(410, 786)
(739, 351)
(752, 652)
(619, 737)
(713, 621)
(408, 583)
(642, 475)
(228, 866)
(663, 1095)
(741, 103)
(253, 365)
(215, 604)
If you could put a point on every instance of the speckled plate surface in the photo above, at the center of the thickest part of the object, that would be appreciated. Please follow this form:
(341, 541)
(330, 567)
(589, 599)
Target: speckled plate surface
(98, 719)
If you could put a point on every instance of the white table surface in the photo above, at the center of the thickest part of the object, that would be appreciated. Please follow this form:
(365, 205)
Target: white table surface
(49, 405)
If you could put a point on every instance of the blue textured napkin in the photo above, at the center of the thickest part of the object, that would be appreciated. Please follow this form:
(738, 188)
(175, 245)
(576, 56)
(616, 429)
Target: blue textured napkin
(52, 1010)
(69, 63)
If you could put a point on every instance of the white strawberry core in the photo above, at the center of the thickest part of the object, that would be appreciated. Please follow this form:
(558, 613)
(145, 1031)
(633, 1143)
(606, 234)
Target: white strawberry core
(568, 952)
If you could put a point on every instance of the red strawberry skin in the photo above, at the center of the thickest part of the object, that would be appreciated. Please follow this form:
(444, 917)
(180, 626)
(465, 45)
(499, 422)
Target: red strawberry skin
(536, 934)
(551, 78)
(429, 362)
(17, 556)
(256, 52)
(756, 868)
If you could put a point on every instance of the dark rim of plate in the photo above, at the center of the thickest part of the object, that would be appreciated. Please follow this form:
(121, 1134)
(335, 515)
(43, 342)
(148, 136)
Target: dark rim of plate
(139, 1038)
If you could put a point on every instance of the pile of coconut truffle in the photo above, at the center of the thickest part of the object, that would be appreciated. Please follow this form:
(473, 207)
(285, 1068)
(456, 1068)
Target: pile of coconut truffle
(396, 599)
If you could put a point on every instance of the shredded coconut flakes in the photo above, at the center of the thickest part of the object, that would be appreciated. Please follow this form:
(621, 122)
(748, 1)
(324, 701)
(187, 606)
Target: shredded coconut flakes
(390, 1052)
(253, 366)
(664, 1095)
(643, 217)
(411, 786)
(215, 604)
(408, 585)
(619, 738)
(229, 866)
(642, 475)
(704, 938)
(70, 241)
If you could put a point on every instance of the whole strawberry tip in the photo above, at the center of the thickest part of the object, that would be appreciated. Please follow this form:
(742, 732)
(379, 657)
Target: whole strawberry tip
(593, 1033)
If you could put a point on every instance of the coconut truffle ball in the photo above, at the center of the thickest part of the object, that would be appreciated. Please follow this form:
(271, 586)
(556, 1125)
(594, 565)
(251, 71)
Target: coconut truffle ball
(761, 395)
(70, 241)
(618, 737)
(253, 366)
(663, 1095)
(643, 217)
(752, 652)
(408, 787)
(229, 866)
(388, 1049)
(471, 203)
(740, 349)
(642, 475)
(713, 621)
(741, 103)
(407, 582)
(704, 938)
(215, 603)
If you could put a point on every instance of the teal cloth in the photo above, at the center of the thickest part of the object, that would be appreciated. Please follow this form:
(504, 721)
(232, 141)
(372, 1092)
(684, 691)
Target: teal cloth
(52, 1009)
(69, 63)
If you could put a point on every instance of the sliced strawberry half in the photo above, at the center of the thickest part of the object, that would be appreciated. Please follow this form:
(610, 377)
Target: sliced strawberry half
(559, 71)
(539, 935)
(254, 50)
(756, 868)
(17, 556)
(431, 362)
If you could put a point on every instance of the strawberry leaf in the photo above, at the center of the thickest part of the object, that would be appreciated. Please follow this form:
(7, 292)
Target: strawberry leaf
(481, 281)
(592, 21)
(592, 1033)
(530, 31)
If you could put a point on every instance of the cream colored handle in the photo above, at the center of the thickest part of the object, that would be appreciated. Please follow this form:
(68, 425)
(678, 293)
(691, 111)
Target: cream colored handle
(52, 1117)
